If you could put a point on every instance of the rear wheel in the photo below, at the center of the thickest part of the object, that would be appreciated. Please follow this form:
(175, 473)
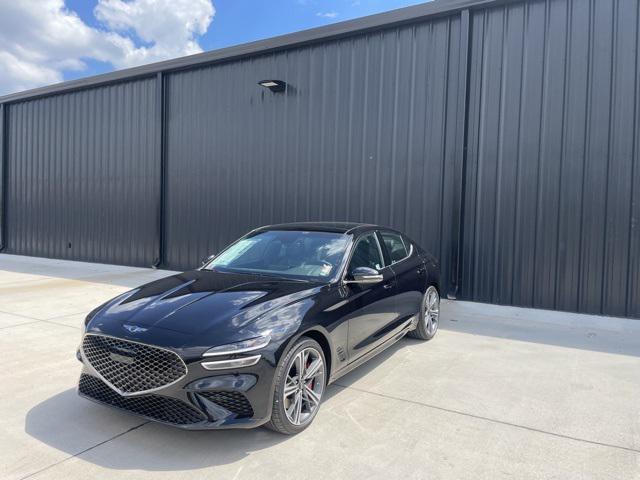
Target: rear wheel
(429, 315)
(300, 383)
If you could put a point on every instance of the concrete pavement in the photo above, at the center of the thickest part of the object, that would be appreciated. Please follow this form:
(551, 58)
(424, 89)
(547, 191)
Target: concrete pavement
(499, 393)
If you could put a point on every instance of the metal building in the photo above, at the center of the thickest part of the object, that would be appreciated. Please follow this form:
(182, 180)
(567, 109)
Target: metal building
(502, 135)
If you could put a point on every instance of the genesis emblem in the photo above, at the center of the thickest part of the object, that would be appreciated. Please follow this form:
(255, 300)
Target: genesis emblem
(135, 328)
(121, 358)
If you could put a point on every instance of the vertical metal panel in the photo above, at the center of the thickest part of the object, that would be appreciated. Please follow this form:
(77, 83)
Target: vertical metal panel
(3, 173)
(459, 178)
(551, 210)
(365, 132)
(84, 176)
(161, 157)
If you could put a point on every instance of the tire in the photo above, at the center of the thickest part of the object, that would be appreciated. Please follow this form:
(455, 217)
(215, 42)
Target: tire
(429, 315)
(304, 401)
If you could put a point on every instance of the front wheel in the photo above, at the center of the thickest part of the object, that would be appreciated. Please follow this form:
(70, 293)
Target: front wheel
(300, 382)
(429, 315)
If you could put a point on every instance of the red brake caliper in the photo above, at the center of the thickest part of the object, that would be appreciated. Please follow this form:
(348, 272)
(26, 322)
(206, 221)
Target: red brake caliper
(310, 384)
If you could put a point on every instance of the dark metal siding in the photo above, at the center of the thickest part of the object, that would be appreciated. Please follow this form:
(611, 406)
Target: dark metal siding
(366, 132)
(553, 172)
(83, 180)
(3, 170)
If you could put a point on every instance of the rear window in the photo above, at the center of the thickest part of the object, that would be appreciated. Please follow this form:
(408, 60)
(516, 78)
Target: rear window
(395, 246)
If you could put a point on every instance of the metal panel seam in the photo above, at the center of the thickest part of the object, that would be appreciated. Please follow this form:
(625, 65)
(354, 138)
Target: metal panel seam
(462, 125)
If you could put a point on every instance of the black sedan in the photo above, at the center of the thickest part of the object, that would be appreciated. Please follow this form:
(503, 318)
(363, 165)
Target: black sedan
(256, 334)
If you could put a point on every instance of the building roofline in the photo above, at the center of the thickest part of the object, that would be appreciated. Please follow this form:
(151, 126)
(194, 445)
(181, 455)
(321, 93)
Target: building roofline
(356, 26)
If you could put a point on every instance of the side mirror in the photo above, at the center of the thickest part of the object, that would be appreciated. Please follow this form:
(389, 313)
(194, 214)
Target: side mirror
(206, 260)
(365, 276)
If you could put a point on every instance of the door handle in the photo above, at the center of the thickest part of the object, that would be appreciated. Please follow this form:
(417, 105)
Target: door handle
(388, 285)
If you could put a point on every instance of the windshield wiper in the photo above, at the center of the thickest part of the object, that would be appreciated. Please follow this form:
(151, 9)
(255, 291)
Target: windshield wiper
(281, 277)
(262, 274)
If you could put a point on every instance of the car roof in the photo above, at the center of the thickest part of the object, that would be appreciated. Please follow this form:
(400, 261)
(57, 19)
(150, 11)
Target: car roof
(334, 227)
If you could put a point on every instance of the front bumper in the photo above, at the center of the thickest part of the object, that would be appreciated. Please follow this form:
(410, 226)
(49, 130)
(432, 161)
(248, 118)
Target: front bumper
(202, 400)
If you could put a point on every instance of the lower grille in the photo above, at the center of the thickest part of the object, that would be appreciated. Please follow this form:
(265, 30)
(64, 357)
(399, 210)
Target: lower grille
(235, 402)
(156, 407)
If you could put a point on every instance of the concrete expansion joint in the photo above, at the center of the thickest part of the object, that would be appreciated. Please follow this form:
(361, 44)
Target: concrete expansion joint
(88, 449)
(488, 419)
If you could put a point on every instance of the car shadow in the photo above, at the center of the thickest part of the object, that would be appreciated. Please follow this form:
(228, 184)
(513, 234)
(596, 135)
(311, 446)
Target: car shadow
(116, 440)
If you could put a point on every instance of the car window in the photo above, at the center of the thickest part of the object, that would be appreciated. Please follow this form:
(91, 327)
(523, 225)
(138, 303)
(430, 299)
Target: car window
(366, 254)
(395, 246)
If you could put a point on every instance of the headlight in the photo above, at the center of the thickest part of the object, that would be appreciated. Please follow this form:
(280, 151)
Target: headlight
(239, 347)
(233, 363)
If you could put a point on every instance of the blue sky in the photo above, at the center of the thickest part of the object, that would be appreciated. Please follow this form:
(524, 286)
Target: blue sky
(241, 21)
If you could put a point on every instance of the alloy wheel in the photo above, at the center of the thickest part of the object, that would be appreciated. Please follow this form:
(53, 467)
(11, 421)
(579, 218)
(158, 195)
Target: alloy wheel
(431, 310)
(304, 386)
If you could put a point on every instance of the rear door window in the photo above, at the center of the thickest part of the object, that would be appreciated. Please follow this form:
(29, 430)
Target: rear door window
(395, 246)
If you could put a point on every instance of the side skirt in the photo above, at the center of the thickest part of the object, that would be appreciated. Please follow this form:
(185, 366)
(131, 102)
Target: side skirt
(380, 348)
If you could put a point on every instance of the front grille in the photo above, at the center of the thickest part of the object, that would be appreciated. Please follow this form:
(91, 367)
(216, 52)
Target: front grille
(235, 402)
(131, 367)
(156, 407)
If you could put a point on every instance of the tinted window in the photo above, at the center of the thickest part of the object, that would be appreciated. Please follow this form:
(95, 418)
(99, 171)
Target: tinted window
(395, 246)
(295, 254)
(366, 254)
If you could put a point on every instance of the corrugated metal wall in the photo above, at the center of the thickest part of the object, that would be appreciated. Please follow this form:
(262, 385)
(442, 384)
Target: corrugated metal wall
(83, 177)
(3, 109)
(553, 173)
(503, 139)
(364, 133)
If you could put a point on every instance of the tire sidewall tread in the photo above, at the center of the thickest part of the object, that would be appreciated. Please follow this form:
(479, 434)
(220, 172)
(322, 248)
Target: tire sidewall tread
(420, 332)
(279, 421)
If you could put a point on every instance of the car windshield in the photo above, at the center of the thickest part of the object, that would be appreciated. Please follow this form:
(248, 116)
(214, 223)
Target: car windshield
(313, 256)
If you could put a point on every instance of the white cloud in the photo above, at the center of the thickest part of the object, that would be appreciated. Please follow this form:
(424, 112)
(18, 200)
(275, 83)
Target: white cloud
(170, 27)
(327, 14)
(39, 39)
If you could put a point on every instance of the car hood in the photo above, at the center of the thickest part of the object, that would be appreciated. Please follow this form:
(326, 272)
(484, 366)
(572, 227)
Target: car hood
(210, 306)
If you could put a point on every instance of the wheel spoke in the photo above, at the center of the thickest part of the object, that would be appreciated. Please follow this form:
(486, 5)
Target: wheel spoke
(298, 410)
(312, 397)
(293, 408)
(313, 370)
(289, 389)
(299, 362)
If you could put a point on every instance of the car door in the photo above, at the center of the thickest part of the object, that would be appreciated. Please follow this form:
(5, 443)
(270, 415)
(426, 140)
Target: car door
(371, 306)
(410, 272)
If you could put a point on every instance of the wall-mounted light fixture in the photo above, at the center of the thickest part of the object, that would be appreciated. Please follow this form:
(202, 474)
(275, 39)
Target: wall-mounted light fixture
(273, 85)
